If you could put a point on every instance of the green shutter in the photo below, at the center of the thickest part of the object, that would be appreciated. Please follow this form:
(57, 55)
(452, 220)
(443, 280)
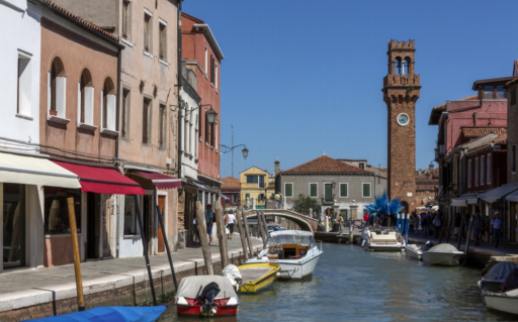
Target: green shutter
(343, 190)
(366, 190)
(313, 189)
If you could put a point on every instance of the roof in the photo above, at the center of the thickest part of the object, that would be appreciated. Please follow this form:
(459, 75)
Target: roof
(435, 115)
(325, 165)
(491, 81)
(230, 183)
(201, 26)
(471, 132)
(79, 21)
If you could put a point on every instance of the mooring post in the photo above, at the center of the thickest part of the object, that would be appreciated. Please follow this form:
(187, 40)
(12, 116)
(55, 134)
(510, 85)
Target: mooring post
(168, 250)
(145, 249)
(261, 227)
(247, 235)
(241, 227)
(204, 238)
(77, 256)
(222, 237)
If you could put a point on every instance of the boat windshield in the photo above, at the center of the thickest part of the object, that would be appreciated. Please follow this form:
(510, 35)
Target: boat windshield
(291, 239)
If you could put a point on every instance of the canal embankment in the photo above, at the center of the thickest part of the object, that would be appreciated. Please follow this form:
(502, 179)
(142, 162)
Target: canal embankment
(39, 292)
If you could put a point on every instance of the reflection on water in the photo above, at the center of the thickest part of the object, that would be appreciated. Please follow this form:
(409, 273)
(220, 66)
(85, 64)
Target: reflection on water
(350, 284)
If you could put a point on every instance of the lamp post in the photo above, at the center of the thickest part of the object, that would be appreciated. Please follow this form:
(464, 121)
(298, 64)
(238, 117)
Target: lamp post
(230, 148)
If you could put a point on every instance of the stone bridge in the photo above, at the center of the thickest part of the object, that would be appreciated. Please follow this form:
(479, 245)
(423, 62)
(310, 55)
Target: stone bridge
(304, 222)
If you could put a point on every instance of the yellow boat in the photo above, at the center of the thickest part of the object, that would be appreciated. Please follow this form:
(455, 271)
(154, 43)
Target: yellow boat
(257, 276)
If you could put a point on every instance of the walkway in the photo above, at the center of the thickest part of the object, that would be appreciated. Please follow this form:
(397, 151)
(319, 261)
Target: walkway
(485, 250)
(29, 287)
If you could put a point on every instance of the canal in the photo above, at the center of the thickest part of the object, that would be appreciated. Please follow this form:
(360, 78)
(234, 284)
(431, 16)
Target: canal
(351, 284)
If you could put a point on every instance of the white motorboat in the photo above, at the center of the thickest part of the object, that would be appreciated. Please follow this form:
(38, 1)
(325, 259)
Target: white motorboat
(382, 239)
(415, 251)
(294, 250)
(443, 254)
(499, 287)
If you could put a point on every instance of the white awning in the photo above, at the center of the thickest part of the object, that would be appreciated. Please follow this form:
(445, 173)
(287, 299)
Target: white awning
(464, 200)
(35, 171)
(498, 193)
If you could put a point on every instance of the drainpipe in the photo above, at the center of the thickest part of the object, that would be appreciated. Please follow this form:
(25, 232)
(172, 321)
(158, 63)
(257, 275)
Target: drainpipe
(179, 85)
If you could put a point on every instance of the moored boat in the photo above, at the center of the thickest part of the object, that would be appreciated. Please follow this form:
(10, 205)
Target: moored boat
(443, 254)
(295, 251)
(415, 251)
(499, 287)
(111, 314)
(256, 277)
(382, 239)
(206, 295)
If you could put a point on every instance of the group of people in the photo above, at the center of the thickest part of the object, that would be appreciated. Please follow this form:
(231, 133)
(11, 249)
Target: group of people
(210, 218)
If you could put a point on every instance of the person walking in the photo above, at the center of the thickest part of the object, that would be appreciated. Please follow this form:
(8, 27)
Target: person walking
(231, 221)
(496, 226)
(209, 221)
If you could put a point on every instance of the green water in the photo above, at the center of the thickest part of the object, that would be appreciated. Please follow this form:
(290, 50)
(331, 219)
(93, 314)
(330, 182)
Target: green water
(351, 284)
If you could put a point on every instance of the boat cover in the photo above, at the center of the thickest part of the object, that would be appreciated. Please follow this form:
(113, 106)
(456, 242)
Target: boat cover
(191, 286)
(501, 277)
(444, 248)
(111, 314)
(291, 237)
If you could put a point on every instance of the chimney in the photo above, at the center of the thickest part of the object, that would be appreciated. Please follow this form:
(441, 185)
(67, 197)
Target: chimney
(277, 167)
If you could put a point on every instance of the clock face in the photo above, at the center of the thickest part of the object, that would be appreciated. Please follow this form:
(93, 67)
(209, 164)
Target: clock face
(403, 119)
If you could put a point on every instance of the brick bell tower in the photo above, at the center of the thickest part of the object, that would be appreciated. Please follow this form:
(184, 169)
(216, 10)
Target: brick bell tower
(401, 89)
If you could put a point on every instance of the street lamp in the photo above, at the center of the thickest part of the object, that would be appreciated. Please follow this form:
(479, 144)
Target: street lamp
(230, 148)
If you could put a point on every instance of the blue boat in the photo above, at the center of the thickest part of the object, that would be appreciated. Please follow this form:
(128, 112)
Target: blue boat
(111, 314)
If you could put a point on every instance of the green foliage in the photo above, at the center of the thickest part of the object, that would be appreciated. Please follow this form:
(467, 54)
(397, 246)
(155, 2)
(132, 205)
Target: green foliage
(303, 204)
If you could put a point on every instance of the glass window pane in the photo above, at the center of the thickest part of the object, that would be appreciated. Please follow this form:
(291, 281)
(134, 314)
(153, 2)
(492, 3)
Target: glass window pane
(14, 225)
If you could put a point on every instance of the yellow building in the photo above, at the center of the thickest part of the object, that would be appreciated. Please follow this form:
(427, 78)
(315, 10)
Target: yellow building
(254, 187)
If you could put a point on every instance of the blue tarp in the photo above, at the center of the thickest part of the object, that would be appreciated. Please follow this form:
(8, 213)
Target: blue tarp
(111, 314)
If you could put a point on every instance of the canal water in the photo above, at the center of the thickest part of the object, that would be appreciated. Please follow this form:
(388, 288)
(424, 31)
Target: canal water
(351, 284)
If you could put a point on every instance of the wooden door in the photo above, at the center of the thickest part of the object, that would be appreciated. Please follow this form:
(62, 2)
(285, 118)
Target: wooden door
(161, 206)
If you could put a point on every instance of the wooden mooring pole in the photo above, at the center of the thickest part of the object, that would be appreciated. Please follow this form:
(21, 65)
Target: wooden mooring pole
(247, 235)
(145, 250)
(241, 228)
(204, 238)
(166, 242)
(77, 256)
(222, 237)
(261, 225)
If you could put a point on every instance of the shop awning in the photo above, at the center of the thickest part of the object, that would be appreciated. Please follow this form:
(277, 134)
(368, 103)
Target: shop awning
(102, 180)
(157, 180)
(512, 197)
(498, 193)
(35, 171)
(464, 200)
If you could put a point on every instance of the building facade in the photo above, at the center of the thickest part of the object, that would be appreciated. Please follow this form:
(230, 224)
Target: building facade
(254, 188)
(401, 88)
(231, 192)
(333, 184)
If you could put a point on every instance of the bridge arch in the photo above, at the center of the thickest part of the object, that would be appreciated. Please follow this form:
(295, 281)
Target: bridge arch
(304, 222)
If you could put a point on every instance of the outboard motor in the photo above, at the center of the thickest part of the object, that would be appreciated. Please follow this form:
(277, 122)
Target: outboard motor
(206, 297)
(427, 245)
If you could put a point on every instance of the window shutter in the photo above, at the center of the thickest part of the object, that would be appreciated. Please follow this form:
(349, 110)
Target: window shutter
(111, 112)
(89, 105)
(49, 81)
(101, 118)
(61, 96)
(78, 102)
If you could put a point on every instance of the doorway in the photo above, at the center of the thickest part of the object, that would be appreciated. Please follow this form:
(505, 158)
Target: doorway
(161, 206)
(14, 226)
(93, 216)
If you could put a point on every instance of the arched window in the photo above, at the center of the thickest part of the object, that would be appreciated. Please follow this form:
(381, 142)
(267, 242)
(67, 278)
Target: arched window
(405, 67)
(85, 99)
(56, 89)
(397, 66)
(108, 106)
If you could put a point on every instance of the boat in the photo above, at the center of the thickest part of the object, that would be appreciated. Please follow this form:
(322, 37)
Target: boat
(443, 254)
(295, 251)
(499, 287)
(415, 251)
(206, 295)
(256, 277)
(111, 314)
(382, 239)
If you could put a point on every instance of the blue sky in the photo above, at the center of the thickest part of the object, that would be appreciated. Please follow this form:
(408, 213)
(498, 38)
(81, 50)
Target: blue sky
(303, 78)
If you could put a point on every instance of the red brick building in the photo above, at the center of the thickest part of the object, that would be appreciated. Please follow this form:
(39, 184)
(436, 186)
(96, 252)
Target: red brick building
(202, 54)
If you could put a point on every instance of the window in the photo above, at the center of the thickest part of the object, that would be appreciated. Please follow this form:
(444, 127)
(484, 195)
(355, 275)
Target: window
(482, 170)
(344, 190)
(210, 135)
(57, 83)
(162, 119)
(251, 179)
(206, 65)
(366, 190)
(56, 210)
(125, 112)
(328, 192)
(130, 215)
(14, 225)
(261, 181)
(126, 19)
(162, 44)
(288, 189)
(197, 135)
(24, 85)
(109, 106)
(476, 170)
(86, 99)
(147, 32)
(313, 190)
(216, 72)
(489, 175)
(146, 120)
(212, 70)
(470, 173)
(513, 158)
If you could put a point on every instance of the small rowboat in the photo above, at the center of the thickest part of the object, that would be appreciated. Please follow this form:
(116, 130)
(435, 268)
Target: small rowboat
(255, 277)
(111, 314)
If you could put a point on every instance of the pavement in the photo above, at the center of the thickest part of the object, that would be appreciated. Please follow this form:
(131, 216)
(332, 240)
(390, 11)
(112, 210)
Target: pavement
(32, 286)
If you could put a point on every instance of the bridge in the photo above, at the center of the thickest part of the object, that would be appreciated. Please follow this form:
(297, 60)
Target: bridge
(304, 222)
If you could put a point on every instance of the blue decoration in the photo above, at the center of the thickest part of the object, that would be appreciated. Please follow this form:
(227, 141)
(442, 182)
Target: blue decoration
(384, 206)
(111, 314)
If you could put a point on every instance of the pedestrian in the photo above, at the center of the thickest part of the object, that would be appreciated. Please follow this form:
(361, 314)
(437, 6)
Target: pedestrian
(496, 226)
(231, 221)
(209, 221)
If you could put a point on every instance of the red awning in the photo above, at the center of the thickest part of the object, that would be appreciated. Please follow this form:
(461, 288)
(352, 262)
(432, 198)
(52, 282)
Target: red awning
(102, 180)
(159, 180)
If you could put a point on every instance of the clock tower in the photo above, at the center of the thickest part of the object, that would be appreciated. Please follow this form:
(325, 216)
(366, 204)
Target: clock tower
(401, 89)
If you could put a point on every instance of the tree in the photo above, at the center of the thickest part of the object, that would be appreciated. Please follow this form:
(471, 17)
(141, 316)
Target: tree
(303, 204)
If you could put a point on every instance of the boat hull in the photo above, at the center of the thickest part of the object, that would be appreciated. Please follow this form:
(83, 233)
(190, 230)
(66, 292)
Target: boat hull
(263, 281)
(412, 252)
(379, 247)
(298, 269)
(442, 259)
(196, 310)
(501, 302)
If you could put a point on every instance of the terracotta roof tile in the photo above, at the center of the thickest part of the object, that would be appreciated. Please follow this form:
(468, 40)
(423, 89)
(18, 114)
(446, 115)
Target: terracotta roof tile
(230, 183)
(325, 165)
